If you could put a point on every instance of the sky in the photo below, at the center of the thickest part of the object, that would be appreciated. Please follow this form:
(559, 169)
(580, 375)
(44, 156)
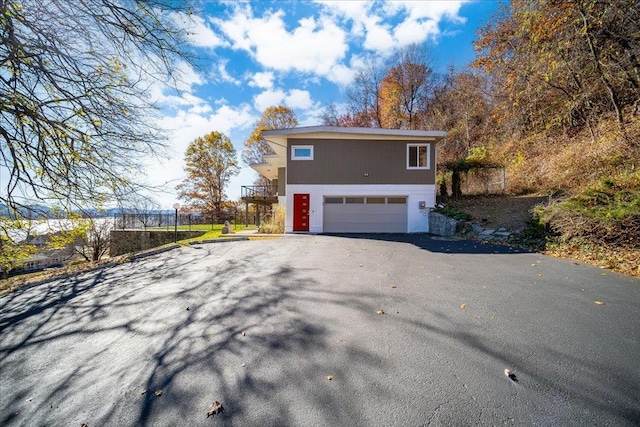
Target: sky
(301, 54)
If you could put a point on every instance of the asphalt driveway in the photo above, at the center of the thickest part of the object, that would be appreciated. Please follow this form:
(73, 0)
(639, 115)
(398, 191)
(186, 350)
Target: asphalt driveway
(261, 325)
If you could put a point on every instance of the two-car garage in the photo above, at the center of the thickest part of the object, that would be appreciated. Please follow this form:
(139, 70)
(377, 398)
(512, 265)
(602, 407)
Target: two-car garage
(365, 214)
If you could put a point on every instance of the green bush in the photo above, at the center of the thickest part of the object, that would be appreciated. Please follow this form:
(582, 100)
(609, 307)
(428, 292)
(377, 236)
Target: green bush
(606, 213)
(454, 213)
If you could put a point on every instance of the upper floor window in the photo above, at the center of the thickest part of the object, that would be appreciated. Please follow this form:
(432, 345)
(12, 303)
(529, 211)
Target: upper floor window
(418, 156)
(302, 152)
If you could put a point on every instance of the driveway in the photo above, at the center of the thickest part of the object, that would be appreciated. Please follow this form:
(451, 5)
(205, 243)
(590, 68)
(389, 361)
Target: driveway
(261, 325)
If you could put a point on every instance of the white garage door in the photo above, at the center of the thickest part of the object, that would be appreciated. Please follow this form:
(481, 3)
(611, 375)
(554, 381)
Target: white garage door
(365, 214)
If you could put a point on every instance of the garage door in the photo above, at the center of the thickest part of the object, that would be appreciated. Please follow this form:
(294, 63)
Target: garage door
(364, 214)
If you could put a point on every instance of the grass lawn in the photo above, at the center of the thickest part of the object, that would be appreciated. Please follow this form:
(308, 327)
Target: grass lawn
(212, 232)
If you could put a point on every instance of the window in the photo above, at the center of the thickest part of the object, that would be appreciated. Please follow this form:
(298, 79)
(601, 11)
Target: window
(302, 152)
(418, 156)
(375, 200)
(354, 200)
(397, 200)
(333, 200)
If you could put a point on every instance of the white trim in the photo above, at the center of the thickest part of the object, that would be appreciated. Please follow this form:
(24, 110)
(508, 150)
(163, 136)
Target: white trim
(301, 147)
(428, 159)
(417, 219)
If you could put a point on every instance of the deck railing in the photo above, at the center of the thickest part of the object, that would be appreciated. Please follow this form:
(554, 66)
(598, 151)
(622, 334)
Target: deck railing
(258, 191)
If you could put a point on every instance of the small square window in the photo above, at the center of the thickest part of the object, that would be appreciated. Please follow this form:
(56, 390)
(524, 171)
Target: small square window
(302, 152)
(418, 156)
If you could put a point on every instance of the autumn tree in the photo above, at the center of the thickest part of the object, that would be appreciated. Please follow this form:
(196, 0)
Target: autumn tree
(76, 119)
(275, 117)
(405, 89)
(388, 94)
(557, 64)
(13, 250)
(329, 116)
(210, 163)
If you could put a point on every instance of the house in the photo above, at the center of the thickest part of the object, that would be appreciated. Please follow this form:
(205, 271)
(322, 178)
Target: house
(353, 180)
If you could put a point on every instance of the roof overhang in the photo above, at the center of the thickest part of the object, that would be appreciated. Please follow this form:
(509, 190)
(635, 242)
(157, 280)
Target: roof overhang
(277, 138)
(265, 170)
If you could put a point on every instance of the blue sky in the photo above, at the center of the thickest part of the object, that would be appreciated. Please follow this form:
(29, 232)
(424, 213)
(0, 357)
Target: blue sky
(301, 54)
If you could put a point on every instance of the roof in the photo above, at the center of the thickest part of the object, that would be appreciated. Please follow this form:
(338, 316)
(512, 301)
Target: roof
(354, 131)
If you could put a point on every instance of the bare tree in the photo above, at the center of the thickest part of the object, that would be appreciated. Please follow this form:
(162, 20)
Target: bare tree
(76, 120)
(364, 94)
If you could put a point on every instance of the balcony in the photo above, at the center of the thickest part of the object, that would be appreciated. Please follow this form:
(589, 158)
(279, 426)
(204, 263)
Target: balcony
(261, 194)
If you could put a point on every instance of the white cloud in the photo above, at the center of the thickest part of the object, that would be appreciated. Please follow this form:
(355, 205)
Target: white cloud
(266, 99)
(198, 32)
(378, 37)
(298, 99)
(341, 75)
(386, 25)
(224, 75)
(314, 46)
(263, 80)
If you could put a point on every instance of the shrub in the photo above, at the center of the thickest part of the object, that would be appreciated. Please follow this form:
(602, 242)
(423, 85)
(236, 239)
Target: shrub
(607, 213)
(275, 223)
(453, 212)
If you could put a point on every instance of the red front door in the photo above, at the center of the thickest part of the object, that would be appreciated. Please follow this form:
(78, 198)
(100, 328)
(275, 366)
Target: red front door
(300, 212)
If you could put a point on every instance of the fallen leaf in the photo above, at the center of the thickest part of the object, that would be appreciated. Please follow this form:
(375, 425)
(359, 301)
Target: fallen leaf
(329, 377)
(463, 306)
(215, 408)
(158, 393)
(380, 311)
(393, 286)
(511, 375)
(599, 303)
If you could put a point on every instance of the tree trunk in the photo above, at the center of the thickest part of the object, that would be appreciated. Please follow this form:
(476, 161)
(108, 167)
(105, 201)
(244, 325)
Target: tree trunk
(456, 184)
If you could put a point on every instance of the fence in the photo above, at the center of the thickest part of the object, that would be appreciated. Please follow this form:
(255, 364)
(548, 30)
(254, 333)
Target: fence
(481, 181)
(143, 221)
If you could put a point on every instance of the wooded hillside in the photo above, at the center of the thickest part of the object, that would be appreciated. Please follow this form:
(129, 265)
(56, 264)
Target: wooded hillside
(553, 96)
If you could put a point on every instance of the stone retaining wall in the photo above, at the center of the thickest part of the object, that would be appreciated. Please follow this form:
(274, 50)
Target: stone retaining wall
(125, 241)
(441, 225)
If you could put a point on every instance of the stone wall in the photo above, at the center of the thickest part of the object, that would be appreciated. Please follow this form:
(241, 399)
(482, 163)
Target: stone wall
(441, 225)
(125, 241)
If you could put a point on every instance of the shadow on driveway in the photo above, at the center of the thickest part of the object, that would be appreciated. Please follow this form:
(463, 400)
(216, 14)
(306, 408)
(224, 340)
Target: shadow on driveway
(259, 326)
(433, 243)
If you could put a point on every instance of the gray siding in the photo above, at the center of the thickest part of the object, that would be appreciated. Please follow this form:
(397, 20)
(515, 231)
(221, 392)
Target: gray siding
(346, 161)
(282, 181)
